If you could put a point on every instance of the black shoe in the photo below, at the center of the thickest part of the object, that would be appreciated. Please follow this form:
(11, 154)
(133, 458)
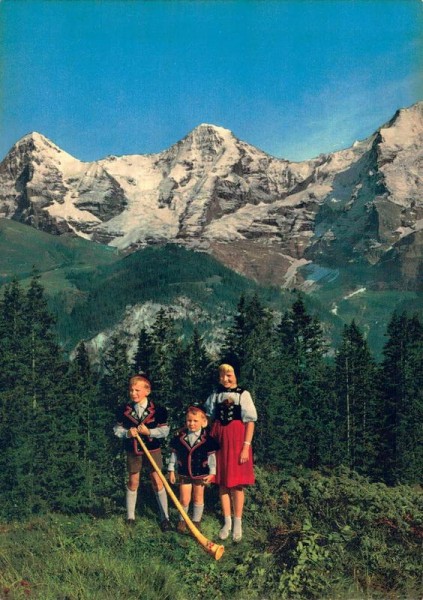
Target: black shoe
(197, 524)
(130, 522)
(165, 525)
(182, 527)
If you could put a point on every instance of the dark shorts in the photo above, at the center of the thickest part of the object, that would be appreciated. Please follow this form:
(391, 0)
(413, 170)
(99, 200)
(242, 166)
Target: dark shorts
(187, 479)
(134, 462)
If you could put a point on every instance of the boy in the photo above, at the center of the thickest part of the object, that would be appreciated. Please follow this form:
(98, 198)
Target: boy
(193, 451)
(142, 416)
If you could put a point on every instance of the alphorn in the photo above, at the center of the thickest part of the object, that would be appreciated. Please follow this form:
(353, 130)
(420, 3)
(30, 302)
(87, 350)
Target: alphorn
(216, 550)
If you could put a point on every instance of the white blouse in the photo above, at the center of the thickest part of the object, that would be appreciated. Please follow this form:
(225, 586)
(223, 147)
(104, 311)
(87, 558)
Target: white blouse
(248, 409)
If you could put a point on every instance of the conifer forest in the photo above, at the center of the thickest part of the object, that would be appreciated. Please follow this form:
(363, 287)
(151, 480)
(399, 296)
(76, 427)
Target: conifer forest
(339, 434)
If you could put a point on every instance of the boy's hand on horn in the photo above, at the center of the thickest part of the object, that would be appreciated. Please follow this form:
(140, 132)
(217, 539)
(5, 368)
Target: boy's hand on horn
(143, 429)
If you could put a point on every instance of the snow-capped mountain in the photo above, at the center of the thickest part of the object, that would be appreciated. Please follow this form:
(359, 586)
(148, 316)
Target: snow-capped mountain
(262, 216)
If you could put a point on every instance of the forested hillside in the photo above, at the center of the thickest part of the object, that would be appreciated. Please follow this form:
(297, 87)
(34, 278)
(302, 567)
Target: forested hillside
(338, 448)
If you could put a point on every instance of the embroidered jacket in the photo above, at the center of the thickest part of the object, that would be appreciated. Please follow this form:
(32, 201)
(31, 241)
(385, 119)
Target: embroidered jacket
(193, 461)
(152, 417)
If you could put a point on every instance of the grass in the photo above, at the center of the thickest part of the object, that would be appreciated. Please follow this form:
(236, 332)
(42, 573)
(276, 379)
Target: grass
(58, 557)
(314, 536)
(23, 247)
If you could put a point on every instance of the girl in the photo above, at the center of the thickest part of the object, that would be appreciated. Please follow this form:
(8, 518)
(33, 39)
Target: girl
(234, 415)
(193, 451)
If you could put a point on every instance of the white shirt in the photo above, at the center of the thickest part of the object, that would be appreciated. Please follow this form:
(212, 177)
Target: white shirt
(157, 432)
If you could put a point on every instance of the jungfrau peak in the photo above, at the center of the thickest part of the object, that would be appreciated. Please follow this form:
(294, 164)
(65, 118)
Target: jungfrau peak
(262, 216)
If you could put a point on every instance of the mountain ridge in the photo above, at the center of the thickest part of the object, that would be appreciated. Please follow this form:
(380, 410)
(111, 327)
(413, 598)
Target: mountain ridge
(264, 217)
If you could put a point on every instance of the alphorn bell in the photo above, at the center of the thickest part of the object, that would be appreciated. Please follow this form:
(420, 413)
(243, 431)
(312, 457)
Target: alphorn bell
(216, 550)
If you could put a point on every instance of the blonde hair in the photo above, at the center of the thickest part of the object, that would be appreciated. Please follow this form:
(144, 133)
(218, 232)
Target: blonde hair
(225, 368)
(141, 378)
(196, 410)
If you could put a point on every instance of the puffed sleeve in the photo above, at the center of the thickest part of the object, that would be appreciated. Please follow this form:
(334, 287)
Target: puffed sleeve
(248, 409)
(210, 405)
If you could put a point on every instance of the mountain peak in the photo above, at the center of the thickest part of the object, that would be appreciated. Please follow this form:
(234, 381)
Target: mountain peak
(37, 143)
(212, 127)
(37, 139)
(204, 142)
(212, 132)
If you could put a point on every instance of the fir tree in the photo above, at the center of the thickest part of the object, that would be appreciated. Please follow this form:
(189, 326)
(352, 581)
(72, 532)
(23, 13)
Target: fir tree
(357, 399)
(31, 402)
(164, 344)
(401, 385)
(250, 347)
(113, 391)
(300, 403)
(12, 332)
(116, 371)
(142, 358)
(84, 437)
(192, 377)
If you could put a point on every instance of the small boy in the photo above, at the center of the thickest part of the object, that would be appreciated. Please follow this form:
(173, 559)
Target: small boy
(193, 451)
(142, 416)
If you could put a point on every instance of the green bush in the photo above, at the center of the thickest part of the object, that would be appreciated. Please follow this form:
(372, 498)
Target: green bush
(340, 529)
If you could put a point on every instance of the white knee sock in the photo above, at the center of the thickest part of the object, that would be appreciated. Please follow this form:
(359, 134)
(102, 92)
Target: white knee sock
(161, 498)
(237, 531)
(186, 509)
(131, 501)
(197, 512)
(224, 532)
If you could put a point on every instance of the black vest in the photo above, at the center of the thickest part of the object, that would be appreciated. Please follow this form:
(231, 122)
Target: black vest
(225, 412)
(193, 461)
(153, 416)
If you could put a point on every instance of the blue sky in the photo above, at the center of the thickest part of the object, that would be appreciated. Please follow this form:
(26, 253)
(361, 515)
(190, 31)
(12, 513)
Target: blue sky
(295, 78)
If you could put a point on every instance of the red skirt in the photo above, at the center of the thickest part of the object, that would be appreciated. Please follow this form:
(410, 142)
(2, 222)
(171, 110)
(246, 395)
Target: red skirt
(229, 472)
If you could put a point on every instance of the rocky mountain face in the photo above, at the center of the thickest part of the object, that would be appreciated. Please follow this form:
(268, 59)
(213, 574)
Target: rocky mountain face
(262, 216)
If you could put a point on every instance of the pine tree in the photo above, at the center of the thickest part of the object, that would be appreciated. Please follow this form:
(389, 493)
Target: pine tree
(11, 386)
(300, 402)
(32, 384)
(12, 332)
(357, 398)
(113, 391)
(142, 358)
(84, 437)
(116, 371)
(401, 386)
(193, 374)
(249, 347)
(44, 371)
(164, 344)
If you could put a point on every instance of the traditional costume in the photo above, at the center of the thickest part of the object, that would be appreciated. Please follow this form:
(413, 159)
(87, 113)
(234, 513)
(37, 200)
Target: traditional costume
(231, 409)
(133, 414)
(194, 454)
(147, 413)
